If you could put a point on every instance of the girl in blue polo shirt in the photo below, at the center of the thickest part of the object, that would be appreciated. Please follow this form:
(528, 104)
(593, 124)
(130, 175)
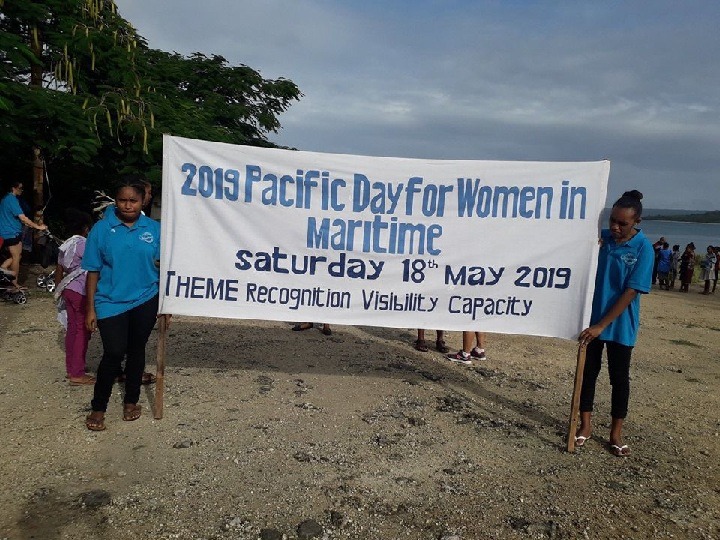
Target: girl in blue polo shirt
(625, 266)
(122, 296)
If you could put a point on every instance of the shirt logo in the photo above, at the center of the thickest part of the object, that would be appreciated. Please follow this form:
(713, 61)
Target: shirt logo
(629, 259)
(147, 237)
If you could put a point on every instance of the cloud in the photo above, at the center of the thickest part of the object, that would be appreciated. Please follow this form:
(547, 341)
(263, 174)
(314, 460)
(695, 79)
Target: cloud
(629, 81)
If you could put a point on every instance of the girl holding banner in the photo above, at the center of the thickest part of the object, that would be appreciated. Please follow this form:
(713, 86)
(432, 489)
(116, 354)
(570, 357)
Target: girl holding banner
(625, 267)
(122, 295)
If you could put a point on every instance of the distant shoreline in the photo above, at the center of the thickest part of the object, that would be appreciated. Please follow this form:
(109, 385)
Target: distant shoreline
(709, 217)
(667, 219)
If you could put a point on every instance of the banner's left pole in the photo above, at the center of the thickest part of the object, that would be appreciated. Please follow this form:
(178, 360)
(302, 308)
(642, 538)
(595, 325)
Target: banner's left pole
(575, 404)
(160, 382)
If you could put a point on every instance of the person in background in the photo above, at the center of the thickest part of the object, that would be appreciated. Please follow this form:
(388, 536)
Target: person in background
(687, 267)
(28, 235)
(717, 267)
(70, 287)
(148, 197)
(625, 267)
(468, 352)
(299, 327)
(657, 246)
(674, 265)
(708, 269)
(121, 257)
(12, 219)
(664, 266)
(440, 345)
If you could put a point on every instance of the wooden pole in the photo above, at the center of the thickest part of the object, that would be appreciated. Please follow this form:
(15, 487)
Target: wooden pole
(38, 180)
(160, 382)
(38, 194)
(575, 404)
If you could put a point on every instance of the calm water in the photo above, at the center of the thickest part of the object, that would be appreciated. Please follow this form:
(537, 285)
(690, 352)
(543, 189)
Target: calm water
(675, 232)
(702, 234)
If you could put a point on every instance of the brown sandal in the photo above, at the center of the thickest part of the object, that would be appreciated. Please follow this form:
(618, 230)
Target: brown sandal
(131, 411)
(95, 423)
(441, 346)
(78, 381)
(302, 326)
(421, 345)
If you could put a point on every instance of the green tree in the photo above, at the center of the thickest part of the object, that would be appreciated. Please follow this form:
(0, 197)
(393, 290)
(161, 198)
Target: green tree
(53, 54)
(81, 85)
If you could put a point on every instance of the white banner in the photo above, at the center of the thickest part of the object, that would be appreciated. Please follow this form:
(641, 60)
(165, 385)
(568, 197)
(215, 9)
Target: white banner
(258, 233)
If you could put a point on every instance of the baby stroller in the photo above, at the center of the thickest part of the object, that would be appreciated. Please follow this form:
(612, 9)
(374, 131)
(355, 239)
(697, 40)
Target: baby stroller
(8, 291)
(51, 249)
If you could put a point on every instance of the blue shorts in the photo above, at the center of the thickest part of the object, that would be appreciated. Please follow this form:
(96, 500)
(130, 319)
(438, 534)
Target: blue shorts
(12, 241)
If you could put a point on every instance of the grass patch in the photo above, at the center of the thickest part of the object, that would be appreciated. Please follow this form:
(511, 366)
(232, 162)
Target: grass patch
(684, 342)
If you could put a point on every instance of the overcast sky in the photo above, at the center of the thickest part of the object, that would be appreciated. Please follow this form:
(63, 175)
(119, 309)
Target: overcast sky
(635, 82)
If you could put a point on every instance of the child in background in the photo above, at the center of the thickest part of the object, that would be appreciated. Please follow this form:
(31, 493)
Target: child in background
(687, 267)
(674, 265)
(664, 266)
(708, 269)
(70, 290)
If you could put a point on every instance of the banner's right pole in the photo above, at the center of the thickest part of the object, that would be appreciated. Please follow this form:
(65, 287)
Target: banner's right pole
(575, 404)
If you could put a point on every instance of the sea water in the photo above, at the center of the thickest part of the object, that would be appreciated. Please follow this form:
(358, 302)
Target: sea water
(682, 233)
(676, 232)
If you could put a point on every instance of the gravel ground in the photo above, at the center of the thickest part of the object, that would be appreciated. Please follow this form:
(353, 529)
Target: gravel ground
(272, 434)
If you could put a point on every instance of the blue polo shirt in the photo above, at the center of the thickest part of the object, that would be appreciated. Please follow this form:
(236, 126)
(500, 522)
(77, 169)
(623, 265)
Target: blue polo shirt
(125, 257)
(10, 226)
(620, 267)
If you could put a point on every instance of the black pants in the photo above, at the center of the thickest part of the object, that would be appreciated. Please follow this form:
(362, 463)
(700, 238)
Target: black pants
(124, 334)
(619, 370)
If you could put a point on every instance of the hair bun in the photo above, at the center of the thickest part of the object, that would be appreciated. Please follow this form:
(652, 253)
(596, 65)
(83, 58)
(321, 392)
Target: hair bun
(635, 194)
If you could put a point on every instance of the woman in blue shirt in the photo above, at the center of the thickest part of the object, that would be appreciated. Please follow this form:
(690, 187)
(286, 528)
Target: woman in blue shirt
(12, 219)
(122, 296)
(625, 267)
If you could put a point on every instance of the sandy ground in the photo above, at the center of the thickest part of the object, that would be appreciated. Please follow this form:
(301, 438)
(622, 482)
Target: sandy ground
(269, 433)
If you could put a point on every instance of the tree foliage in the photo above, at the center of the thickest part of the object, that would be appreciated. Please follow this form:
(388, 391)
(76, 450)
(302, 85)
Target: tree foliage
(79, 83)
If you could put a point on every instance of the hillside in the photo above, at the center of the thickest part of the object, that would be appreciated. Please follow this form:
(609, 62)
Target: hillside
(701, 217)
